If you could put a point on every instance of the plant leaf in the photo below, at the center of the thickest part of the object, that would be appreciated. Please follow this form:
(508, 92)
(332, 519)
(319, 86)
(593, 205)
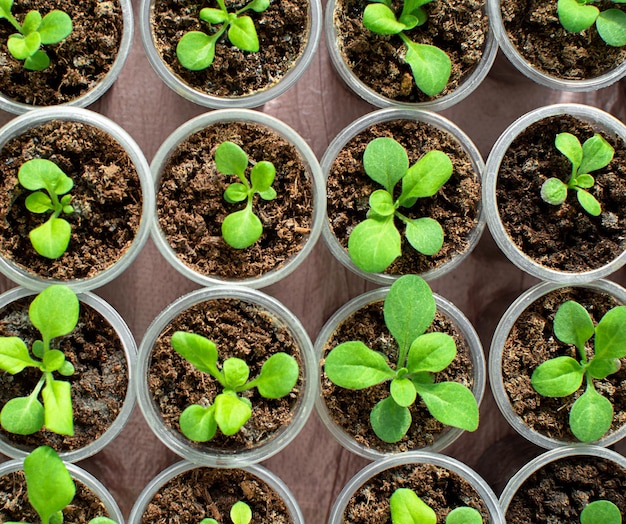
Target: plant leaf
(278, 376)
(44, 309)
(21, 47)
(196, 50)
(390, 421)
(55, 26)
(431, 352)
(591, 416)
(380, 19)
(603, 367)
(38, 202)
(600, 512)
(242, 34)
(430, 65)
(258, 6)
(450, 403)
(425, 235)
(554, 191)
(597, 153)
(584, 181)
(589, 202)
(610, 340)
(53, 360)
(381, 203)
(403, 392)
(373, 244)
(199, 351)
(573, 325)
(575, 17)
(51, 238)
(31, 23)
(22, 415)
(230, 159)
(611, 26)
(557, 377)
(242, 228)
(352, 365)
(235, 192)
(464, 515)
(198, 423)
(5, 8)
(102, 520)
(240, 513)
(407, 508)
(426, 176)
(570, 146)
(14, 355)
(231, 413)
(385, 161)
(262, 176)
(236, 372)
(213, 15)
(57, 401)
(38, 61)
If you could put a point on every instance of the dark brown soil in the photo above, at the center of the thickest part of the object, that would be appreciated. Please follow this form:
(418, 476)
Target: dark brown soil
(77, 63)
(14, 505)
(558, 492)
(532, 342)
(459, 28)
(350, 409)
(563, 238)
(283, 30)
(210, 493)
(239, 329)
(191, 205)
(534, 29)
(99, 383)
(106, 197)
(442, 489)
(455, 206)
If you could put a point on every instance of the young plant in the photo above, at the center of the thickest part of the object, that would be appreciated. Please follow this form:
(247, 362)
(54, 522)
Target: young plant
(591, 414)
(34, 32)
(594, 154)
(578, 15)
(50, 486)
(196, 50)
(430, 65)
(240, 513)
(52, 237)
(408, 508)
(243, 228)
(54, 312)
(601, 512)
(376, 242)
(229, 411)
(409, 309)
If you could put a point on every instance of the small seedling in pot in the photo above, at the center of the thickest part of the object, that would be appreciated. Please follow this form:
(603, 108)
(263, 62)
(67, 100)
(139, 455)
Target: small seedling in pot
(50, 486)
(591, 414)
(52, 237)
(196, 50)
(579, 15)
(408, 508)
(430, 65)
(34, 32)
(594, 154)
(54, 312)
(240, 513)
(409, 309)
(243, 228)
(601, 512)
(376, 242)
(229, 411)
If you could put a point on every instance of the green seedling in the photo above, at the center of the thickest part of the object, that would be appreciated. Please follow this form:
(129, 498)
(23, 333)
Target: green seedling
(594, 154)
(408, 508)
(243, 228)
(376, 242)
(196, 50)
(409, 309)
(50, 486)
(430, 65)
(54, 312)
(229, 411)
(52, 237)
(34, 32)
(578, 15)
(601, 512)
(240, 513)
(591, 414)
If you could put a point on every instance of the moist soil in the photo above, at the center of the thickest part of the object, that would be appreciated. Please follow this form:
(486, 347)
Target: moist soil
(106, 198)
(350, 409)
(456, 206)
(77, 64)
(443, 490)
(283, 31)
(99, 383)
(534, 29)
(191, 205)
(563, 238)
(531, 342)
(210, 493)
(239, 329)
(558, 492)
(15, 507)
(459, 28)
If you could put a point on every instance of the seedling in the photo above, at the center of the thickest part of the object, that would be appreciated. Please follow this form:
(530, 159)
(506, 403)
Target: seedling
(240, 513)
(409, 309)
(196, 50)
(376, 242)
(33, 33)
(243, 228)
(430, 65)
(52, 237)
(594, 154)
(408, 508)
(591, 414)
(229, 411)
(54, 312)
(50, 486)
(578, 15)
(601, 512)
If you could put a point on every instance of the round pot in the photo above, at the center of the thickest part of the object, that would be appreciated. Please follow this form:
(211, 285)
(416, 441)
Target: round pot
(512, 193)
(80, 268)
(197, 249)
(269, 324)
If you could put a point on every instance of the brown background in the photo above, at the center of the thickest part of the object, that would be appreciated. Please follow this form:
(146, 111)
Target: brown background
(318, 107)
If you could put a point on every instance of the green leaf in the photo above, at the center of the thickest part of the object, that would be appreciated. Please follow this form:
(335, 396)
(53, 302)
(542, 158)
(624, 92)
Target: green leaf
(231, 413)
(390, 421)
(589, 202)
(38, 202)
(591, 416)
(278, 376)
(196, 50)
(381, 203)
(102, 520)
(38, 61)
(464, 515)
(49, 484)
(262, 176)
(236, 372)
(53, 360)
(213, 16)
(554, 191)
(403, 391)
(198, 423)
(5, 8)
(381, 20)
(597, 152)
(258, 6)
(57, 401)
(209, 521)
(242, 228)
(603, 367)
(570, 146)
(268, 194)
(240, 513)
(67, 369)
(51, 238)
(31, 23)
(425, 235)
(236, 192)
(432, 352)
(14, 355)
(352, 365)
(426, 176)
(430, 65)
(584, 181)
(242, 34)
(610, 340)
(373, 244)
(385, 161)
(22, 415)
(451, 404)
(611, 26)
(575, 17)
(407, 508)
(230, 159)
(557, 377)
(600, 512)
(44, 311)
(199, 351)
(21, 47)
(55, 26)
(573, 325)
